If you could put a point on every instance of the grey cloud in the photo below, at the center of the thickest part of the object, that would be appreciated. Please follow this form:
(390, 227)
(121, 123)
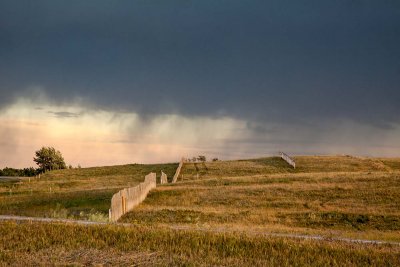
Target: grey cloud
(65, 114)
(261, 61)
(340, 137)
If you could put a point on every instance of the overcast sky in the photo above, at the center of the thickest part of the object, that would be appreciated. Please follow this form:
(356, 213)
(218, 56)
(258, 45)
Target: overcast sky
(112, 82)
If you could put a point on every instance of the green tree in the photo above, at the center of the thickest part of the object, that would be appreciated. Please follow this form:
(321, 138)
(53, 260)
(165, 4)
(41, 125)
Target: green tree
(48, 158)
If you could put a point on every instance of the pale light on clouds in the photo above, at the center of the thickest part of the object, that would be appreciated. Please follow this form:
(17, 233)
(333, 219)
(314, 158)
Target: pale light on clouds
(93, 137)
(96, 137)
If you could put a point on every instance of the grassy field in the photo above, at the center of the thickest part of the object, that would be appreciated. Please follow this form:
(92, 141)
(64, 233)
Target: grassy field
(73, 193)
(330, 196)
(60, 244)
(225, 208)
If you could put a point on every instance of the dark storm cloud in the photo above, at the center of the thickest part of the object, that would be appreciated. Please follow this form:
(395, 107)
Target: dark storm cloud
(259, 60)
(64, 114)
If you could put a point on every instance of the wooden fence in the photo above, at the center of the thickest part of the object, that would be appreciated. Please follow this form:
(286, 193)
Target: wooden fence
(178, 170)
(126, 199)
(288, 159)
(164, 178)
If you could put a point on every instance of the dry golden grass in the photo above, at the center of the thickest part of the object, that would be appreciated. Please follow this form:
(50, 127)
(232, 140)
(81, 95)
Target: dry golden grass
(332, 196)
(226, 208)
(44, 244)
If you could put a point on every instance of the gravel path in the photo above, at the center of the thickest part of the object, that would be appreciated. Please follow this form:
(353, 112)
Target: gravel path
(203, 229)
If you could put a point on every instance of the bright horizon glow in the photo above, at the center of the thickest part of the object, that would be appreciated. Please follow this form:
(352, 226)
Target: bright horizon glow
(93, 137)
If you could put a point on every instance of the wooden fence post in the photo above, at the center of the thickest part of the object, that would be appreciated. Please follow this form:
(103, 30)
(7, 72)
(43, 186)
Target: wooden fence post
(123, 203)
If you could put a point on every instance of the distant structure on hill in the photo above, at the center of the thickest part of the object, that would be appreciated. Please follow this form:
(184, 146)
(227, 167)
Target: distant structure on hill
(288, 159)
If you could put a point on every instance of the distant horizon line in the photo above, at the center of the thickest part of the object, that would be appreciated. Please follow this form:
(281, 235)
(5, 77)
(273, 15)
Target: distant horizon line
(250, 158)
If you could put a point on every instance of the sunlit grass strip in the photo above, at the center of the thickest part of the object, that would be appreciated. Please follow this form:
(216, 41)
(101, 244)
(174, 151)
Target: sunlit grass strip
(189, 247)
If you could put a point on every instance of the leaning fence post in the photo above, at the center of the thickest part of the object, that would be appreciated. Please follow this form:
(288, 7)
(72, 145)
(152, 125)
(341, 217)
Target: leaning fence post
(288, 159)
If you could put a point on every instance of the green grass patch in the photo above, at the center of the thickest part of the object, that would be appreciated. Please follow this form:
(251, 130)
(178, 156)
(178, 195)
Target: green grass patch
(73, 193)
(165, 216)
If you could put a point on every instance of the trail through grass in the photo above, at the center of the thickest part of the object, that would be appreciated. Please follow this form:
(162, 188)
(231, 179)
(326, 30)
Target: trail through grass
(56, 244)
(219, 208)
